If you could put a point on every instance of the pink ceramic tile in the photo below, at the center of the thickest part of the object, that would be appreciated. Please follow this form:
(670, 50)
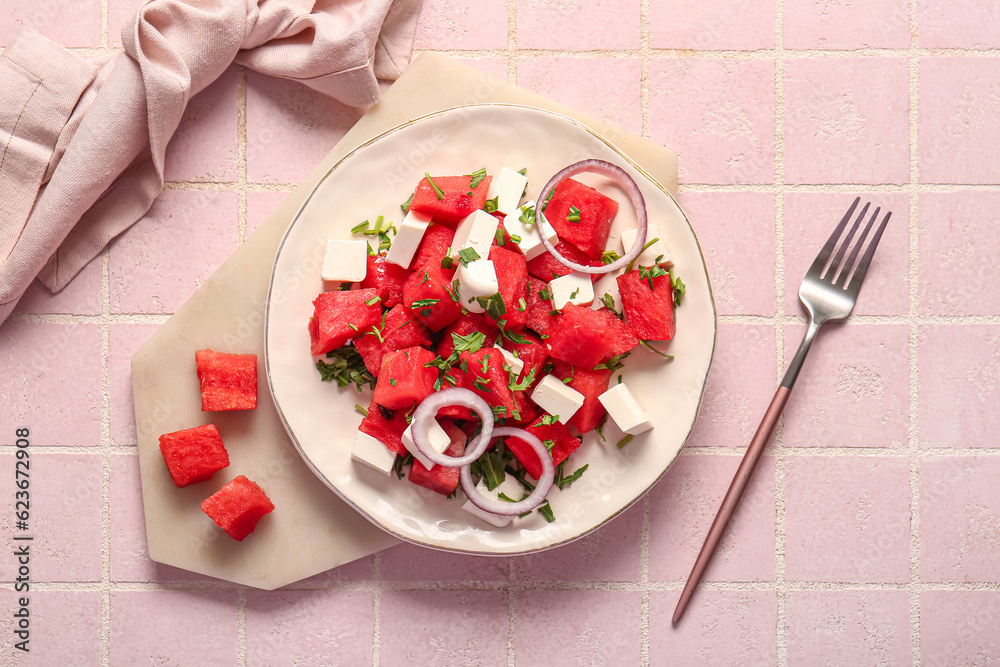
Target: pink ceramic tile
(357, 570)
(407, 562)
(204, 146)
(162, 259)
(82, 296)
(290, 128)
(129, 553)
(609, 554)
(68, 22)
(853, 390)
(578, 24)
(718, 628)
(740, 385)
(847, 519)
(64, 515)
(810, 218)
(120, 12)
(495, 67)
(64, 627)
(956, 268)
(173, 628)
(842, 120)
(123, 342)
(309, 628)
(848, 627)
(613, 92)
(852, 24)
(959, 120)
(959, 627)
(260, 205)
(433, 627)
(462, 24)
(718, 114)
(51, 382)
(593, 628)
(681, 509)
(958, 24)
(959, 518)
(736, 232)
(712, 24)
(956, 401)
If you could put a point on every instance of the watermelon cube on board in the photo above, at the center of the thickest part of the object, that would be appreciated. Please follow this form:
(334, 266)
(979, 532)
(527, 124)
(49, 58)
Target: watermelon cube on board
(228, 381)
(430, 295)
(582, 216)
(512, 278)
(441, 479)
(405, 379)
(590, 383)
(340, 316)
(649, 311)
(386, 278)
(561, 443)
(458, 198)
(398, 330)
(386, 426)
(585, 337)
(237, 507)
(193, 454)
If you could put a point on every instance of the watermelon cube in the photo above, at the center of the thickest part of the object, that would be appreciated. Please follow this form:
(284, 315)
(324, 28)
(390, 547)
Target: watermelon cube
(466, 325)
(386, 278)
(585, 337)
(228, 381)
(237, 507)
(434, 246)
(546, 267)
(441, 479)
(649, 312)
(539, 315)
(512, 277)
(193, 454)
(591, 384)
(397, 331)
(386, 426)
(485, 375)
(404, 378)
(531, 353)
(557, 438)
(429, 293)
(339, 316)
(458, 198)
(582, 216)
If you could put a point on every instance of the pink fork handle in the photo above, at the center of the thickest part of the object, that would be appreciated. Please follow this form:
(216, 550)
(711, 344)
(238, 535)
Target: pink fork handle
(732, 499)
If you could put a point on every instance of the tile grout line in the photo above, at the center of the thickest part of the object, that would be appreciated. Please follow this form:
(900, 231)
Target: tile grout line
(241, 159)
(378, 585)
(913, 432)
(105, 449)
(511, 613)
(781, 639)
(241, 625)
(511, 50)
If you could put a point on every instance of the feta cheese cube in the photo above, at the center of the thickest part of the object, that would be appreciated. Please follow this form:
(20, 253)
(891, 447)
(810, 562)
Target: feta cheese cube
(344, 262)
(557, 398)
(372, 453)
(649, 255)
(516, 365)
(574, 287)
(509, 487)
(407, 239)
(507, 187)
(438, 438)
(607, 284)
(478, 231)
(624, 410)
(528, 237)
(478, 279)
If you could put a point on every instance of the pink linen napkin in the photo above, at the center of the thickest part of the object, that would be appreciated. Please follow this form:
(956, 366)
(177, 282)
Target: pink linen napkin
(82, 142)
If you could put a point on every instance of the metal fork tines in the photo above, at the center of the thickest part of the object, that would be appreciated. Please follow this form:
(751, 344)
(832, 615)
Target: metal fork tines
(828, 292)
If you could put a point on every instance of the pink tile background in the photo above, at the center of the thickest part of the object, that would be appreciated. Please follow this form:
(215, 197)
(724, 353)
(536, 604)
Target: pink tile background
(869, 534)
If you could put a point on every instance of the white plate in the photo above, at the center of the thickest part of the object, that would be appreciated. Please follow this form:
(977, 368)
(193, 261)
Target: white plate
(321, 418)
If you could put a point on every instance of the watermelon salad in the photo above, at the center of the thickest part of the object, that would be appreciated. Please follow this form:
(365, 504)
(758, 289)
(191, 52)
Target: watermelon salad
(493, 331)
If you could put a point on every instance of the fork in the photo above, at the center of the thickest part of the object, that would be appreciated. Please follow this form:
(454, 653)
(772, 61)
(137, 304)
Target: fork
(828, 292)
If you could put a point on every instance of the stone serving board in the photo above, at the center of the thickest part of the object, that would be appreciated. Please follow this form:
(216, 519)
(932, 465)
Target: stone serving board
(311, 529)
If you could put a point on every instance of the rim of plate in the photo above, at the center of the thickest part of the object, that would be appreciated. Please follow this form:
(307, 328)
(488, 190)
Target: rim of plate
(267, 311)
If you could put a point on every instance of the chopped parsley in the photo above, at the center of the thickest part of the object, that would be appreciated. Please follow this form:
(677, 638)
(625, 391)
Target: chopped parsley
(372, 301)
(562, 480)
(644, 248)
(360, 227)
(490, 206)
(466, 255)
(609, 256)
(406, 204)
(624, 441)
(527, 216)
(437, 191)
(500, 237)
(573, 215)
(494, 306)
(347, 367)
(548, 420)
(423, 303)
(477, 178)
(525, 383)
(680, 289)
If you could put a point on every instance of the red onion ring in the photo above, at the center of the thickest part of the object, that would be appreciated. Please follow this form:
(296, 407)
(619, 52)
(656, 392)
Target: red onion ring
(502, 507)
(428, 409)
(627, 183)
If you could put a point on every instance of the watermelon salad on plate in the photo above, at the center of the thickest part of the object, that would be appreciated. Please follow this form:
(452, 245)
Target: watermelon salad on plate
(492, 358)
